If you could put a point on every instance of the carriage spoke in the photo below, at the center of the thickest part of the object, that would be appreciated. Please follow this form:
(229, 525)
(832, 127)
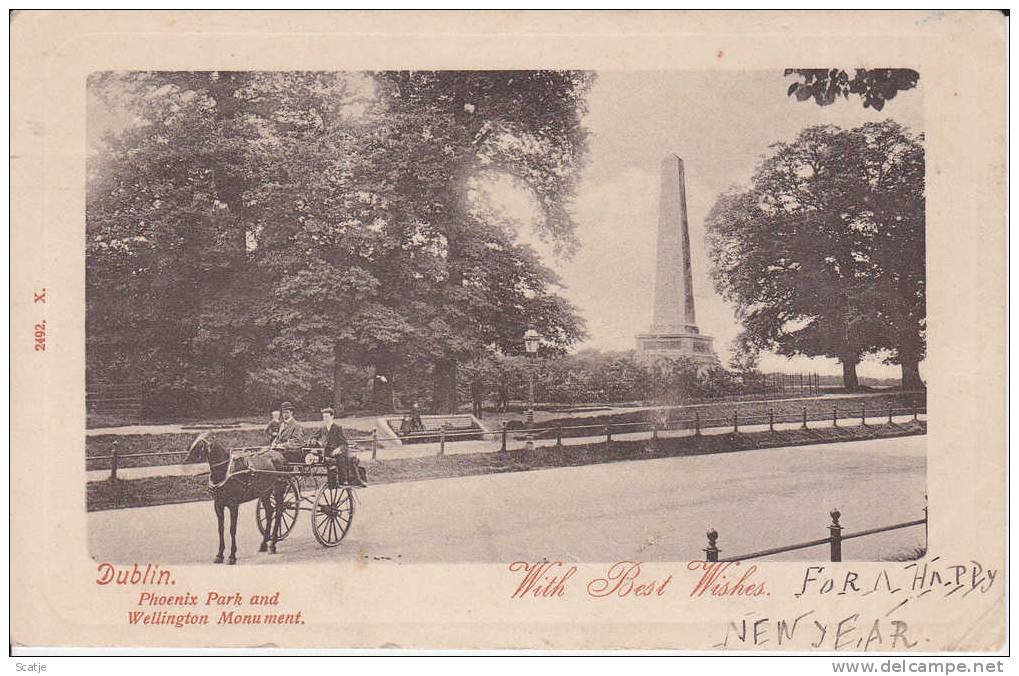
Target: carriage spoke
(332, 529)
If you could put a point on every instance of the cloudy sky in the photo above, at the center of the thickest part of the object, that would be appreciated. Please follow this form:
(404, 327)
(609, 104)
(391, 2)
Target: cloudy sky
(721, 124)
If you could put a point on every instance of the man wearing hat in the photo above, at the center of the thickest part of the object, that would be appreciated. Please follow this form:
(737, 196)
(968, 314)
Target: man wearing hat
(334, 445)
(291, 434)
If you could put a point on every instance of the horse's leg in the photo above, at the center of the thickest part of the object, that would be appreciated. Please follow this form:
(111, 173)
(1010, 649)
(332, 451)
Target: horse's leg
(219, 519)
(267, 510)
(233, 533)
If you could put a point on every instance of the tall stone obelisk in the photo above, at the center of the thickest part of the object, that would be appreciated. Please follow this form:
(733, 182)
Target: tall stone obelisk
(674, 331)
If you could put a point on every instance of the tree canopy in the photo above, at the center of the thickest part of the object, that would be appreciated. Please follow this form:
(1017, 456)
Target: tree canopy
(875, 86)
(823, 254)
(257, 236)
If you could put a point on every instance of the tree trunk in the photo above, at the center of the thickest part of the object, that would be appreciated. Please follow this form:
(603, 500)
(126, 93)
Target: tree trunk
(477, 399)
(849, 380)
(911, 375)
(338, 379)
(444, 399)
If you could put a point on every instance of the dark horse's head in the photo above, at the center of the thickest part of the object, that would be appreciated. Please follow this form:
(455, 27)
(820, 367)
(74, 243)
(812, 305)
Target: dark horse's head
(207, 448)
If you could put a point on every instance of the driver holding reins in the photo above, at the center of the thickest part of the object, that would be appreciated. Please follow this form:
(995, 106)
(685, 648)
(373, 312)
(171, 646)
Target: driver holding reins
(334, 445)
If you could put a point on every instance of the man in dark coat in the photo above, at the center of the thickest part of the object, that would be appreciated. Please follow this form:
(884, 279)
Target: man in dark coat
(334, 445)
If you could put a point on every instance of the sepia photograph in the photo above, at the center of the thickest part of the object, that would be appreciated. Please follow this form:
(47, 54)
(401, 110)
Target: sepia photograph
(397, 332)
(442, 316)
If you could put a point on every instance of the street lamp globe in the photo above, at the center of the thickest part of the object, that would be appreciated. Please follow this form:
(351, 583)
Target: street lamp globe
(531, 340)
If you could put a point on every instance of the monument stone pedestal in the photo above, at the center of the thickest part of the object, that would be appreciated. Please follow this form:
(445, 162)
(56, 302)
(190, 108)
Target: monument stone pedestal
(693, 346)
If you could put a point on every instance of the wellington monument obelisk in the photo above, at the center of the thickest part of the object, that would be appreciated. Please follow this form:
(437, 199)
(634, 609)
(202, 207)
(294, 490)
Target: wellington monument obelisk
(674, 331)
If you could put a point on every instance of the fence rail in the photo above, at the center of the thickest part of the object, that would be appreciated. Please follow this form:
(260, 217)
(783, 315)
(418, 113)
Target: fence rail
(834, 540)
(653, 428)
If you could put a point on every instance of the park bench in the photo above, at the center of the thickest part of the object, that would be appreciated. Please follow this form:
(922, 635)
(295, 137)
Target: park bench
(456, 427)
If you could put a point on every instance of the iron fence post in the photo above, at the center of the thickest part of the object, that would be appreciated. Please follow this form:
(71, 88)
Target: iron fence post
(375, 444)
(442, 440)
(503, 436)
(863, 415)
(654, 431)
(559, 436)
(804, 426)
(914, 412)
(608, 434)
(889, 414)
(835, 415)
(711, 551)
(835, 530)
(114, 461)
(735, 421)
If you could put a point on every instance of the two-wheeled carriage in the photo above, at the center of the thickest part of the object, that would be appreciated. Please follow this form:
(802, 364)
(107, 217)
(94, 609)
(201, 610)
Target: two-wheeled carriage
(311, 485)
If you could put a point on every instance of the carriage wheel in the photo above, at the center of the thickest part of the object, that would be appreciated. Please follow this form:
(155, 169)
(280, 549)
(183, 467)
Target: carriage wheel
(332, 514)
(291, 507)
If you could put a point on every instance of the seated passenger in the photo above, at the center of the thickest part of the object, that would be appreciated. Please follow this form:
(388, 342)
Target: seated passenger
(291, 436)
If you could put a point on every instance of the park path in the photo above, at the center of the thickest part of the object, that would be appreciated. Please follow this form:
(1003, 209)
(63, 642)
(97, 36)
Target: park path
(367, 422)
(646, 510)
(391, 450)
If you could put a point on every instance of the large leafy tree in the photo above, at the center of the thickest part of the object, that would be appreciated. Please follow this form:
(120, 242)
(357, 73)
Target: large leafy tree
(195, 182)
(895, 206)
(816, 253)
(457, 130)
(262, 235)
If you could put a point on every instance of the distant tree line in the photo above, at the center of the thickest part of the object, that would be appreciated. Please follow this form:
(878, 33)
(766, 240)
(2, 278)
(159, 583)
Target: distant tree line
(322, 237)
(593, 376)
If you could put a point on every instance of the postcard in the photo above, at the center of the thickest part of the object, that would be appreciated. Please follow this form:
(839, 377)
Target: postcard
(509, 330)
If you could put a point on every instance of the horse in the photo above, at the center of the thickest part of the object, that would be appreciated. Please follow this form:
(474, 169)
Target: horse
(265, 483)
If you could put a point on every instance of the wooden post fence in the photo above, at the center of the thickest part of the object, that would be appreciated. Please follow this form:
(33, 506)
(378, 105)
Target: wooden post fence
(114, 461)
(559, 436)
(503, 437)
(735, 421)
(442, 440)
(835, 415)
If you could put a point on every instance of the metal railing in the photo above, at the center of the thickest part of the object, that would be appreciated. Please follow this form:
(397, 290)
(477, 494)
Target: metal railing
(735, 421)
(834, 540)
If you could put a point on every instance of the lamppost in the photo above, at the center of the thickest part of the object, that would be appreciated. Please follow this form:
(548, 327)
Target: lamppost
(531, 341)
